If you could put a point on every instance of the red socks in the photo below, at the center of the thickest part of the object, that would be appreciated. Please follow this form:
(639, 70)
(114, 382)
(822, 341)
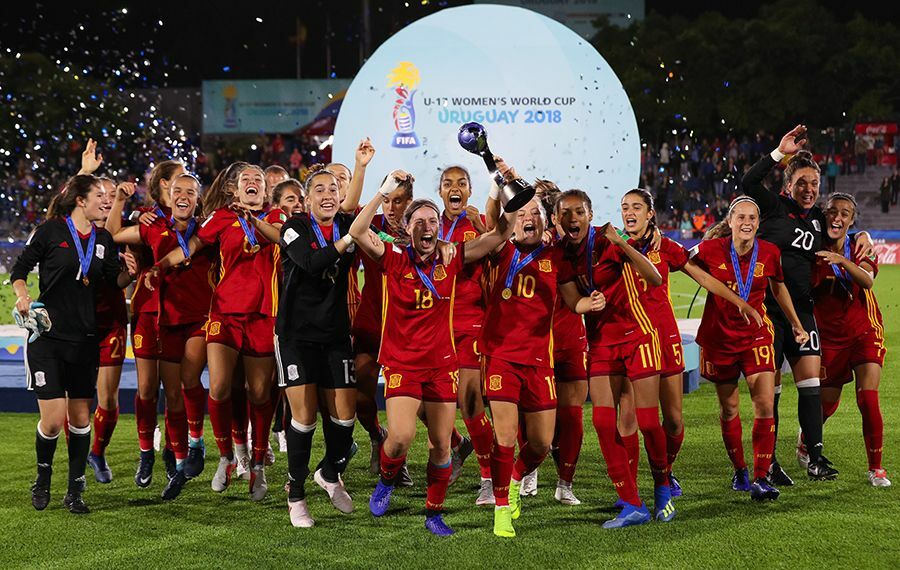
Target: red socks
(437, 479)
(455, 438)
(763, 446)
(240, 409)
(872, 425)
(104, 424)
(220, 418)
(655, 444)
(195, 408)
(732, 437)
(528, 461)
(177, 433)
(145, 414)
(632, 445)
(482, 436)
(570, 420)
(829, 408)
(261, 423)
(614, 454)
(673, 446)
(390, 466)
(502, 460)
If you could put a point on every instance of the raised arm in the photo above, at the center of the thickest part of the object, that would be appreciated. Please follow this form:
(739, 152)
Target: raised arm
(752, 182)
(359, 229)
(124, 192)
(488, 242)
(641, 264)
(90, 158)
(364, 153)
(719, 289)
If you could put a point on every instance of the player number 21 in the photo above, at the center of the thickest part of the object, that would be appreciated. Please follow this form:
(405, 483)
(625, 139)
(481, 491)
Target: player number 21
(763, 354)
(424, 299)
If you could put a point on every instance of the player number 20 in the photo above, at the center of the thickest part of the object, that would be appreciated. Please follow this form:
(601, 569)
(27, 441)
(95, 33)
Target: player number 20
(526, 286)
(762, 354)
(424, 299)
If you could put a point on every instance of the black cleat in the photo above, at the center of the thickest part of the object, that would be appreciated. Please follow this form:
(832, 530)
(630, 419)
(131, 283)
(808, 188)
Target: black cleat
(821, 470)
(777, 477)
(170, 463)
(144, 475)
(195, 461)
(75, 504)
(174, 486)
(40, 495)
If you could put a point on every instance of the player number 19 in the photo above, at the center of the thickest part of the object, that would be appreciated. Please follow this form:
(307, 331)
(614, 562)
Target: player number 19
(762, 354)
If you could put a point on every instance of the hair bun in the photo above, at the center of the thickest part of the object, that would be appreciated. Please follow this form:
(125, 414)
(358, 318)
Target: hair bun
(802, 155)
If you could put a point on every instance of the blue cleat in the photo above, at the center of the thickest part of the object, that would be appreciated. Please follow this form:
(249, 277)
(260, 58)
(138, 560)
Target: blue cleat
(741, 480)
(102, 472)
(195, 460)
(436, 525)
(174, 486)
(674, 485)
(761, 490)
(629, 516)
(144, 475)
(380, 499)
(620, 504)
(663, 507)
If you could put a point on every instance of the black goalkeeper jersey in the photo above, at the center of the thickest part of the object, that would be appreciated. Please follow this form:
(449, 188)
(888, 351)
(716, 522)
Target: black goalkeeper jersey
(797, 234)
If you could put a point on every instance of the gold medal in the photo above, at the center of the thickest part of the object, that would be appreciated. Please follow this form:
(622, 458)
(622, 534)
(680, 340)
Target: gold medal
(506, 294)
(186, 262)
(86, 281)
(254, 249)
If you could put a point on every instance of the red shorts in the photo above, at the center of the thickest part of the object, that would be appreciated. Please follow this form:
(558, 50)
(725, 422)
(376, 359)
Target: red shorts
(429, 385)
(725, 366)
(570, 365)
(838, 363)
(467, 351)
(672, 361)
(636, 359)
(112, 346)
(145, 336)
(172, 339)
(250, 334)
(533, 388)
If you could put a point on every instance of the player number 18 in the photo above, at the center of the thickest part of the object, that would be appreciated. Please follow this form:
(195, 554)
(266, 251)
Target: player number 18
(424, 299)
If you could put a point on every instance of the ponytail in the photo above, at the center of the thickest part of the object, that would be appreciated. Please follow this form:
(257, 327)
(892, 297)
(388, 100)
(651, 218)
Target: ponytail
(79, 186)
(803, 159)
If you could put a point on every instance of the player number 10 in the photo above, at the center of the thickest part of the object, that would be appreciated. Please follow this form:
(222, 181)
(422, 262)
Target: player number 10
(526, 286)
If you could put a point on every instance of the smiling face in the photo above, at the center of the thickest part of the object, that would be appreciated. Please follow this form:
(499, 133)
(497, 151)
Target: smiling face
(530, 223)
(636, 214)
(804, 187)
(573, 218)
(744, 221)
(323, 196)
(107, 195)
(455, 191)
(839, 217)
(423, 228)
(394, 205)
(165, 183)
(251, 187)
(93, 204)
(183, 195)
(290, 202)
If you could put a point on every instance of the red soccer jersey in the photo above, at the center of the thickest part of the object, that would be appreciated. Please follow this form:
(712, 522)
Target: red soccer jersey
(518, 328)
(248, 280)
(144, 300)
(185, 291)
(844, 314)
(722, 323)
(624, 316)
(417, 327)
(468, 312)
(656, 300)
(370, 297)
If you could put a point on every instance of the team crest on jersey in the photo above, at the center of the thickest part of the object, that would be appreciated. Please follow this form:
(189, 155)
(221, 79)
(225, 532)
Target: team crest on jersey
(495, 382)
(138, 341)
(100, 251)
(39, 379)
(467, 236)
(653, 256)
(440, 273)
(545, 266)
(816, 225)
(394, 380)
(215, 328)
(759, 269)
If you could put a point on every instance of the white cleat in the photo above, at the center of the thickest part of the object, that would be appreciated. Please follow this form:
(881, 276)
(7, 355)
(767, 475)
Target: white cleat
(243, 461)
(529, 486)
(339, 496)
(299, 512)
(270, 456)
(224, 471)
(878, 478)
(259, 487)
(282, 443)
(802, 454)
(564, 494)
(486, 494)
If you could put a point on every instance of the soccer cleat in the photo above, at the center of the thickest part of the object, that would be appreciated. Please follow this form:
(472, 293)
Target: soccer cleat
(486, 493)
(778, 477)
(761, 490)
(877, 477)
(436, 525)
(282, 442)
(339, 496)
(258, 484)
(515, 500)
(75, 504)
(403, 477)
(375, 458)
(195, 461)
(663, 507)
(174, 486)
(741, 480)
(144, 474)
(802, 453)
(224, 471)
(270, 456)
(529, 485)
(299, 513)
(243, 462)
(564, 494)
(675, 485)
(102, 472)
(503, 525)
(40, 495)
(458, 457)
(354, 449)
(170, 462)
(620, 504)
(629, 516)
(821, 470)
(380, 499)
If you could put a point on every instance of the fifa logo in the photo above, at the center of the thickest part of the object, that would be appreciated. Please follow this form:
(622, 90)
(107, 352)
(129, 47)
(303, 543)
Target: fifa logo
(403, 80)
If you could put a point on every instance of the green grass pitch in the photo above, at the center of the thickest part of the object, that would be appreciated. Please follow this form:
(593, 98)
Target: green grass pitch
(845, 523)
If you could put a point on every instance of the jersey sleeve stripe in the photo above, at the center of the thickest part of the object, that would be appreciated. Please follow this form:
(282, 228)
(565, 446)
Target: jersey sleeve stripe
(638, 310)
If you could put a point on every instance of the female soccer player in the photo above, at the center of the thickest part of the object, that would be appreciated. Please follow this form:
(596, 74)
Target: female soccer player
(418, 300)
(792, 221)
(639, 221)
(732, 345)
(851, 327)
(241, 317)
(61, 364)
(288, 197)
(184, 308)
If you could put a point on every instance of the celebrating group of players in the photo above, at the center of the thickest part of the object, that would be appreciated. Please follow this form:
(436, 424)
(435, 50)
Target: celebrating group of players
(524, 312)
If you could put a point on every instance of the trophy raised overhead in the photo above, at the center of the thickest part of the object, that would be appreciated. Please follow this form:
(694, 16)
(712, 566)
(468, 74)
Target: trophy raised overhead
(513, 194)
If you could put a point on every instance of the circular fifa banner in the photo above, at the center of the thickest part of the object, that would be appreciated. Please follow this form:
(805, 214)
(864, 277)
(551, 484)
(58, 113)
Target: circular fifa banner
(551, 105)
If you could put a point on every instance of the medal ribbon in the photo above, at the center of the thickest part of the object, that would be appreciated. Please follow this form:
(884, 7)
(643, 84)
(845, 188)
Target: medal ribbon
(452, 227)
(183, 238)
(843, 275)
(84, 256)
(516, 266)
(744, 286)
(592, 235)
(426, 279)
(320, 237)
(248, 231)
